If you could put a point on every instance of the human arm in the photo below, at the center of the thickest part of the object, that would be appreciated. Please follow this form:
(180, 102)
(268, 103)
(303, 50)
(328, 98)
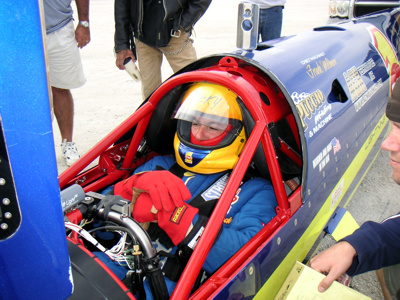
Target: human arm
(176, 223)
(123, 39)
(377, 245)
(193, 12)
(159, 196)
(165, 190)
(253, 207)
(373, 246)
(82, 34)
(121, 56)
(334, 262)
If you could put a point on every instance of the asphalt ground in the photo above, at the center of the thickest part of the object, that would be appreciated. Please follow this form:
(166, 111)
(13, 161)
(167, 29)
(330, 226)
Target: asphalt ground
(110, 96)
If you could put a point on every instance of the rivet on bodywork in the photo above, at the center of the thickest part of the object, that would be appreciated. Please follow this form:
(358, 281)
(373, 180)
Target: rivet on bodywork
(251, 271)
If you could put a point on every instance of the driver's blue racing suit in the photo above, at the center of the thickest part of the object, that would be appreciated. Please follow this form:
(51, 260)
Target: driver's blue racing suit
(252, 207)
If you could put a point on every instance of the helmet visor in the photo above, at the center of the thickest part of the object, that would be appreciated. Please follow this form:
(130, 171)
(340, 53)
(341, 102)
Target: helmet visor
(209, 108)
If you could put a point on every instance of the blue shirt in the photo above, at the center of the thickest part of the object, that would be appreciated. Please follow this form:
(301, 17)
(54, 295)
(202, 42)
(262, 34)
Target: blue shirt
(57, 14)
(377, 245)
(252, 208)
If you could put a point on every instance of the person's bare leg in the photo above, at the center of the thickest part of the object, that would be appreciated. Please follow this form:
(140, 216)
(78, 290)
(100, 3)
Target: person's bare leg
(64, 111)
(385, 291)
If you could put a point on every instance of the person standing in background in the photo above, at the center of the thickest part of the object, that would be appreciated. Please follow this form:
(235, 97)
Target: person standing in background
(270, 20)
(147, 30)
(63, 41)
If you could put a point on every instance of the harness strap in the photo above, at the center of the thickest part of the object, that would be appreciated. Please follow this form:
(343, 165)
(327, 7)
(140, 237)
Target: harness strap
(176, 262)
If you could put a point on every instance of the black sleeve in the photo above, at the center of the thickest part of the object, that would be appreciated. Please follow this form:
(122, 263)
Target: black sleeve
(123, 32)
(195, 9)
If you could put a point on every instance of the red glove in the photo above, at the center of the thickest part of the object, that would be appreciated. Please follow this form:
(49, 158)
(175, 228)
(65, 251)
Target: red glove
(166, 190)
(124, 188)
(176, 224)
(142, 209)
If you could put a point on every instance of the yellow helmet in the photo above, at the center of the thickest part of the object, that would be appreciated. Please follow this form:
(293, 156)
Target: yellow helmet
(215, 107)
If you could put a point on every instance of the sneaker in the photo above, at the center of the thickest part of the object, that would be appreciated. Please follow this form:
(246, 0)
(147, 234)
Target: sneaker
(69, 152)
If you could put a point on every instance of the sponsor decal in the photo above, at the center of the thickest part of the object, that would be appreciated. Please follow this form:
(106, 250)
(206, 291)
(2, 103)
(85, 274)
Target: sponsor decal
(315, 106)
(323, 158)
(336, 145)
(235, 199)
(308, 105)
(311, 59)
(372, 137)
(228, 221)
(359, 92)
(395, 32)
(385, 49)
(70, 201)
(189, 157)
(320, 67)
(368, 95)
(215, 191)
(178, 213)
(321, 124)
(337, 193)
(366, 67)
(355, 83)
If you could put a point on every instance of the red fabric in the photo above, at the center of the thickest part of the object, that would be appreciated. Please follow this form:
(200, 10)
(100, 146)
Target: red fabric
(142, 209)
(167, 193)
(166, 190)
(176, 224)
(124, 188)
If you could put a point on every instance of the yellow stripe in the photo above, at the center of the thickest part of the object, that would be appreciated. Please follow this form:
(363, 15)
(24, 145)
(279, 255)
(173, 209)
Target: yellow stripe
(300, 250)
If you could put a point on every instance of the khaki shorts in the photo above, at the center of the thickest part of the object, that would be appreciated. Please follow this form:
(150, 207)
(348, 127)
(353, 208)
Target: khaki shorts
(64, 59)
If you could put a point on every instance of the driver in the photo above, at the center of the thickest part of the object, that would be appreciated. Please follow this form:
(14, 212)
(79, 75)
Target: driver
(175, 196)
